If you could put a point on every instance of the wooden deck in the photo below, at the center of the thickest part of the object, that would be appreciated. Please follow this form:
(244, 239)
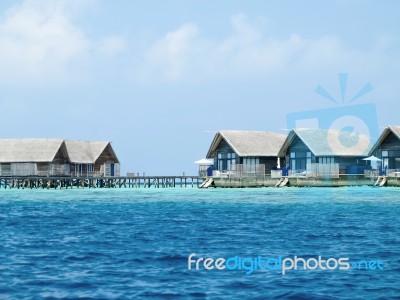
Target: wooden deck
(302, 181)
(36, 182)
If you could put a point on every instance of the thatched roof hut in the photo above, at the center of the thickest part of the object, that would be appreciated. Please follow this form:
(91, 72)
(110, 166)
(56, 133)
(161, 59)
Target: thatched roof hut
(31, 150)
(391, 134)
(387, 147)
(92, 157)
(251, 149)
(25, 157)
(329, 142)
(305, 147)
(88, 152)
(248, 143)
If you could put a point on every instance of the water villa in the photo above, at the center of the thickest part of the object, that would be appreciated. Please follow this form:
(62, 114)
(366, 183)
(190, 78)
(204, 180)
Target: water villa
(91, 158)
(305, 157)
(245, 150)
(243, 157)
(57, 163)
(387, 150)
(57, 157)
(327, 157)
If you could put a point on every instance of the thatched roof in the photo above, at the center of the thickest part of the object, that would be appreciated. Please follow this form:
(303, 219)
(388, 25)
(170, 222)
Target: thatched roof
(390, 129)
(86, 152)
(395, 130)
(324, 142)
(45, 150)
(29, 150)
(248, 143)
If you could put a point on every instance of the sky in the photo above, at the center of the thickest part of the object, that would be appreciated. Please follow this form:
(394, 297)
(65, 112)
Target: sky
(159, 78)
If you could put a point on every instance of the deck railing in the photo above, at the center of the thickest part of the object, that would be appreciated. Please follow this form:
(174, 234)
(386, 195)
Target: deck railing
(242, 171)
(375, 173)
(317, 171)
(276, 173)
(371, 173)
(393, 173)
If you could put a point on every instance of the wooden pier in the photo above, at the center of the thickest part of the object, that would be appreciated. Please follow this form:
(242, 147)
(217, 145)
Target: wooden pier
(36, 182)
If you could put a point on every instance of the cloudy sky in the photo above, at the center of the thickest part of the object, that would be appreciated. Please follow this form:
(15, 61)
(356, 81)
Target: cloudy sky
(158, 78)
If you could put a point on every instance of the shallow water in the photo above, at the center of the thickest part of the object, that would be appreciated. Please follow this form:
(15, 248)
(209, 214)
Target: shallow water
(135, 243)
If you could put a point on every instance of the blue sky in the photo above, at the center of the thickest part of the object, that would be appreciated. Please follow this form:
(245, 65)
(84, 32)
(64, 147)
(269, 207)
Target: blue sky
(158, 78)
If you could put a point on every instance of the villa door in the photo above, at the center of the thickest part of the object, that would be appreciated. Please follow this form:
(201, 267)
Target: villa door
(112, 170)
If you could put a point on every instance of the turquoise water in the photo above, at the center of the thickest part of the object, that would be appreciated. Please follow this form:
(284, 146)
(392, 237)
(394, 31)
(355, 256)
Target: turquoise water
(135, 243)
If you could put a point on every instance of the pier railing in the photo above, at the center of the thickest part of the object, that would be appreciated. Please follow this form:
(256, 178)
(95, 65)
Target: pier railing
(35, 182)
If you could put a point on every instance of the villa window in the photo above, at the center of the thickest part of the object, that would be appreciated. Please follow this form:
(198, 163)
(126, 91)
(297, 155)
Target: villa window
(250, 164)
(326, 160)
(391, 159)
(226, 161)
(300, 160)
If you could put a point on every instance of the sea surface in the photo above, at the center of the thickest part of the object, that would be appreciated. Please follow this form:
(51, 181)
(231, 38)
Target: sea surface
(135, 243)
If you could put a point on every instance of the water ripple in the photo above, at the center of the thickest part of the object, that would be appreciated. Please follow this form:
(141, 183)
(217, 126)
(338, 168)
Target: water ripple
(125, 244)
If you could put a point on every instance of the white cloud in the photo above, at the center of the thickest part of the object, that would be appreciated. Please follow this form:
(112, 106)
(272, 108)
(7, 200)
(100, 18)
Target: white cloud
(173, 50)
(112, 45)
(247, 50)
(40, 44)
(37, 39)
(184, 54)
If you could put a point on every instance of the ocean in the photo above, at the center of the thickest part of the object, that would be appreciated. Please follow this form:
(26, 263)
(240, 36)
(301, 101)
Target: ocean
(136, 243)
